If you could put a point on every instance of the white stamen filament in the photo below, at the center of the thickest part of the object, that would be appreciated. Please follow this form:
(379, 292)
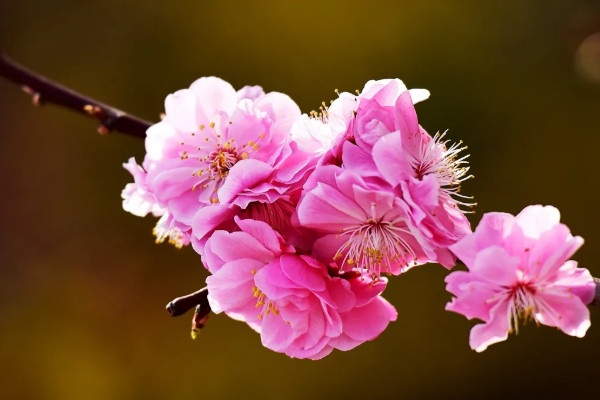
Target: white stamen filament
(376, 245)
(449, 170)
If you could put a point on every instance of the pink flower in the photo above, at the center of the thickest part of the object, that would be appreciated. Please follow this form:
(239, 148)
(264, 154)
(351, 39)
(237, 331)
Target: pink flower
(364, 225)
(396, 148)
(139, 200)
(213, 138)
(519, 269)
(290, 299)
(258, 191)
(378, 138)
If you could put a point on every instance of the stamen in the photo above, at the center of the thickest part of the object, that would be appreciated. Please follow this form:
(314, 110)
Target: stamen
(377, 246)
(438, 159)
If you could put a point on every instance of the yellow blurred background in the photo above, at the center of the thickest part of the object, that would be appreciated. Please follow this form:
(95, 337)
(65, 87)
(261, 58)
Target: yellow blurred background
(83, 286)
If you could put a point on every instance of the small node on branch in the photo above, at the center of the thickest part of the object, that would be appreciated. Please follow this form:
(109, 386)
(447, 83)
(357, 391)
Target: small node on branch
(103, 130)
(94, 111)
(36, 98)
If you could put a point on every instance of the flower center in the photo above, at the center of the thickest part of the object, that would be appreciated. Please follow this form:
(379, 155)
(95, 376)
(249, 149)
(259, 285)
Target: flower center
(449, 169)
(216, 156)
(265, 305)
(524, 305)
(221, 161)
(377, 246)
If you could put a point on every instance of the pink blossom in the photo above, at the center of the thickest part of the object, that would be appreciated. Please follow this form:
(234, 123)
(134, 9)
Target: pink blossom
(213, 138)
(140, 201)
(377, 137)
(518, 268)
(290, 299)
(258, 191)
(364, 225)
(426, 169)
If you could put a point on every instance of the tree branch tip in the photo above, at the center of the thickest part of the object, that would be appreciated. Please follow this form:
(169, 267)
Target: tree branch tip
(43, 90)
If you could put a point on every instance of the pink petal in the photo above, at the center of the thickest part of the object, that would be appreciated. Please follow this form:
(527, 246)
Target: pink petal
(243, 175)
(577, 281)
(231, 286)
(282, 110)
(212, 217)
(344, 342)
(302, 273)
(326, 208)
(274, 283)
(492, 230)
(493, 331)
(560, 246)
(340, 295)
(366, 290)
(419, 95)
(276, 334)
(406, 117)
(564, 310)
(534, 220)
(157, 137)
(213, 96)
(358, 160)
(390, 159)
(180, 108)
(367, 322)
(263, 233)
(473, 296)
(250, 92)
(235, 245)
(496, 266)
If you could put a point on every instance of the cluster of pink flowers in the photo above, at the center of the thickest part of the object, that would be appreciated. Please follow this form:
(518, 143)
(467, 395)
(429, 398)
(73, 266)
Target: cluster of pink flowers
(300, 218)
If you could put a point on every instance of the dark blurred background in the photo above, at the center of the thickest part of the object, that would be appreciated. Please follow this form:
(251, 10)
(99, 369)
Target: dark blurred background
(83, 286)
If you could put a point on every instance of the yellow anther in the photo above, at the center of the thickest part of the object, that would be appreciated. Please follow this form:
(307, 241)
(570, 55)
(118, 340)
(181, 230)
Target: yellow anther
(212, 124)
(201, 127)
(244, 155)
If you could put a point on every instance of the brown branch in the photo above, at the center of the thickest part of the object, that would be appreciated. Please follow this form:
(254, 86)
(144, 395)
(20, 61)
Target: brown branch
(44, 90)
(183, 304)
(596, 301)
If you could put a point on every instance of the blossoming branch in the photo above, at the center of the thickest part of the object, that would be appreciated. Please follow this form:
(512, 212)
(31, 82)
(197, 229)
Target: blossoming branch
(302, 218)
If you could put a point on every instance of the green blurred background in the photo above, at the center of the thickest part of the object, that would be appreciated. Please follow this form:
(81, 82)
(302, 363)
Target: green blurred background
(83, 286)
